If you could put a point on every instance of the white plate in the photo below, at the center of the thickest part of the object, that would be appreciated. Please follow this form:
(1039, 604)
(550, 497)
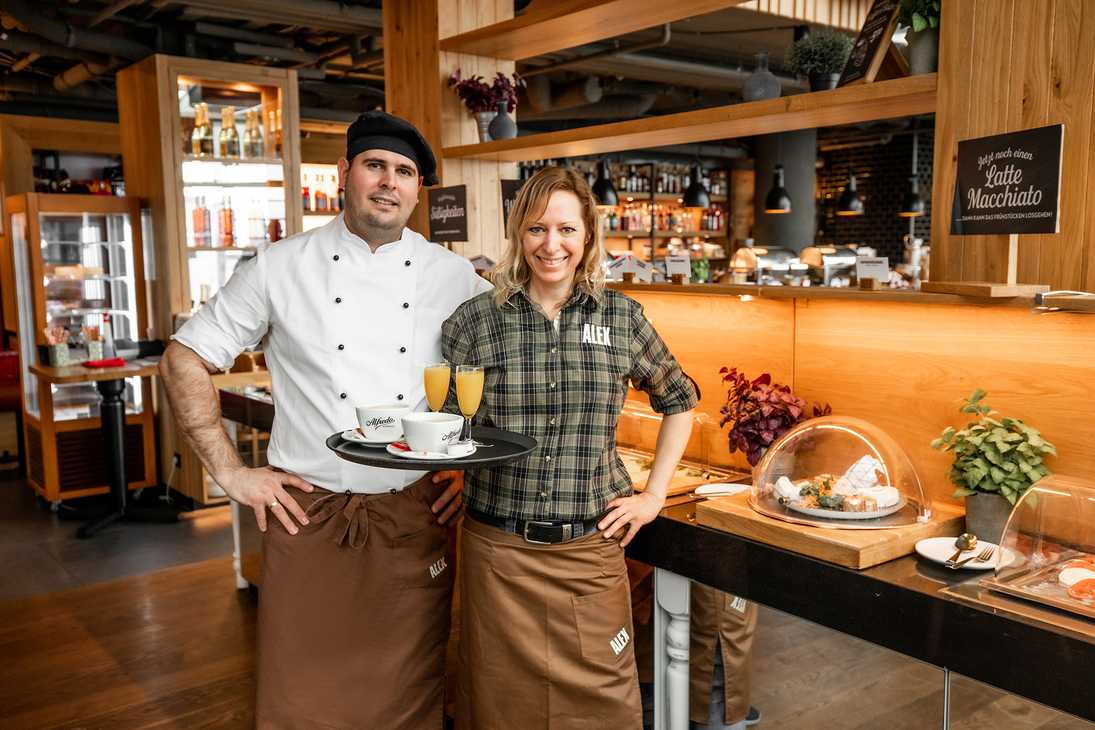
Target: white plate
(836, 514)
(938, 549)
(720, 489)
(424, 455)
(353, 435)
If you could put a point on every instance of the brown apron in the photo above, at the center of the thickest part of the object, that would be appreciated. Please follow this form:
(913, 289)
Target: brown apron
(731, 622)
(545, 634)
(354, 614)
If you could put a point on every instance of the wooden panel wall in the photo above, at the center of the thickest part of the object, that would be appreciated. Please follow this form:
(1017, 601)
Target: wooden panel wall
(1008, 65)
(846, 14)
(485, 231)
(904, 367)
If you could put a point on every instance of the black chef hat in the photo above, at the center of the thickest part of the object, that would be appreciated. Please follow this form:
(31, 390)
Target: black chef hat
(382, 131)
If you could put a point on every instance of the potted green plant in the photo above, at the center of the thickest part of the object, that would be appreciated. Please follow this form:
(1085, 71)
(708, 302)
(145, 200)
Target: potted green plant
(996, 459)
(922, 19)
(478, 97)
(820, 56)
(759, 412)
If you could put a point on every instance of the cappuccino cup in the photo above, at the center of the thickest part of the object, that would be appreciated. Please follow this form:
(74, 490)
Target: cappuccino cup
(432, 432)
(382, 423)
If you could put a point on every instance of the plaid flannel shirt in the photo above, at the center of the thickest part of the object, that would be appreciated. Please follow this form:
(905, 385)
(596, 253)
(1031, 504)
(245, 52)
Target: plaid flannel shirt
(566, 390)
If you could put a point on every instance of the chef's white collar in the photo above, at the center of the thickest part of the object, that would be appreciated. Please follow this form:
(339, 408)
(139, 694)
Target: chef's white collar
(350, 237)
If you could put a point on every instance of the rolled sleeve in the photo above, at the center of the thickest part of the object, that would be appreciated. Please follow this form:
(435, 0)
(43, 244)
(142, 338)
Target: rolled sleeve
(232, 321)
(655, 371)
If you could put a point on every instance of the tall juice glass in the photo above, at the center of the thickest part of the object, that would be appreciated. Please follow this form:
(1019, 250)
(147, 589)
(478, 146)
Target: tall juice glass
(436, 379)
(469, 393)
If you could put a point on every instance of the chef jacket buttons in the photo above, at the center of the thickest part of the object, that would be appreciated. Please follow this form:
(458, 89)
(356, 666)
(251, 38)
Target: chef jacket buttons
(342, 396)
(399, 397)
(335, 257)
(342, 347)
(406, 305)
(338, 300)
(402, 349)
(407, 262)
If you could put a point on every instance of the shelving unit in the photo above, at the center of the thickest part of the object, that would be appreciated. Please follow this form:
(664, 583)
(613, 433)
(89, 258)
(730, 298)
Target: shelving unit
(909, 96)
(65, 451)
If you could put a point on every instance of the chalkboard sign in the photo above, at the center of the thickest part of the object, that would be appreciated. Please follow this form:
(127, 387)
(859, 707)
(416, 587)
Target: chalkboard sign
(872, 45)
(449, 214)
(509, 197)
(1009, 183)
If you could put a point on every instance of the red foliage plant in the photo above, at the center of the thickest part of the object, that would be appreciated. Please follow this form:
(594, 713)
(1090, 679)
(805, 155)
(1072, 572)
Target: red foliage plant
(479, 96)
(760, 411)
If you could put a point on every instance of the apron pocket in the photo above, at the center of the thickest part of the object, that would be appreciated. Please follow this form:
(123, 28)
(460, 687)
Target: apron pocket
(421, 559)
(604, 624)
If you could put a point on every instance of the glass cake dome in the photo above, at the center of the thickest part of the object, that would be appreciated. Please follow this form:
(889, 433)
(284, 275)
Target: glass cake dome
(1048, 546)
(839, 472)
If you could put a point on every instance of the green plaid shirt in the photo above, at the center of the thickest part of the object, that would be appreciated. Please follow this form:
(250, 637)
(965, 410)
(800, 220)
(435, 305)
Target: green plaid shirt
(565, 390)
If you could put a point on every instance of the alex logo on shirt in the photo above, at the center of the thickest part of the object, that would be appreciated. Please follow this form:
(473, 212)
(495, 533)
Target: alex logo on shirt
(438, 567)
(595, 335)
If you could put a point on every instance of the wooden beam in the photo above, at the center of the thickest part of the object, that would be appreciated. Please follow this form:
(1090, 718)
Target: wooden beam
(553, 25)
(866, 102)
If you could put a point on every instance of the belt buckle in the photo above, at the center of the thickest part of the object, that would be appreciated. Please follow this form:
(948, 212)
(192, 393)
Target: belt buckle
(568, 532)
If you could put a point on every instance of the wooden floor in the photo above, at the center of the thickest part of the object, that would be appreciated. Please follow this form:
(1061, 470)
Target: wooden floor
(175, 648)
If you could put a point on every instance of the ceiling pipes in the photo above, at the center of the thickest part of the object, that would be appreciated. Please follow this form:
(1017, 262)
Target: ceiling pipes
(72, 37)
(110, 11)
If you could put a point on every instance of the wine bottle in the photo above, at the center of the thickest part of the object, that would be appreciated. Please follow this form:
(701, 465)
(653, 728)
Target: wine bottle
(229, 138)
(252, 135)
(201, 139)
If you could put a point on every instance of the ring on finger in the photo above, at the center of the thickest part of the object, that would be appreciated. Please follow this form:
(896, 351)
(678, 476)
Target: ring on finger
(275, 503)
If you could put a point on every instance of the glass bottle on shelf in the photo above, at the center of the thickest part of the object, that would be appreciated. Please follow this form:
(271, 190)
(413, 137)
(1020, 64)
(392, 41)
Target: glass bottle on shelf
(762, 83)
(201, 139)
(228, 239)
(252, 135)
(305, 194)
(199, 218)
(335, 201)
(321, 195)
(229, 138)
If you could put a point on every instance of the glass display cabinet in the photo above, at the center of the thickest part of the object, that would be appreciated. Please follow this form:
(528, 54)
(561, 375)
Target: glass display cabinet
(215, 149)
(78, 266)
(839, 472)
(1048, 546)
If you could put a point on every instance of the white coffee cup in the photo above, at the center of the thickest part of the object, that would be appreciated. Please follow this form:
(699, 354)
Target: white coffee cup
(432, 432)
(382, 423)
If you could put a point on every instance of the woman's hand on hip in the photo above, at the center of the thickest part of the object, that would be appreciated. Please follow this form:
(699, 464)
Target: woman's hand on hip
(450, 501)
(631, 513)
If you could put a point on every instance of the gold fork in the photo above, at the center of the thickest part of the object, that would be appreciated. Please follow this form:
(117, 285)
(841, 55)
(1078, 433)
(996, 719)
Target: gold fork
(984, 556)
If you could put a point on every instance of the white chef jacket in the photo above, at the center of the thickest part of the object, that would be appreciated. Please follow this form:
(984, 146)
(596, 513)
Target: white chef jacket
(340, 326)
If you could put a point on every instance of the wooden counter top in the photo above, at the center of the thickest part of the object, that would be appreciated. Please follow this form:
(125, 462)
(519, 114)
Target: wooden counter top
(821, 292)
(80, 374)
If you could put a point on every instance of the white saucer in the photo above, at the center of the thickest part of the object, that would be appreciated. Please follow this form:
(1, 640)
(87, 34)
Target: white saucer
(353, 435)
(425, 455)
(938, 549)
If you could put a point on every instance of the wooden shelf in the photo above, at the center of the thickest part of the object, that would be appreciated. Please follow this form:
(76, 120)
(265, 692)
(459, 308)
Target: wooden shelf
(661, 198)
(664, 234)
(241, 249)
(233, 160)
(554, 25)
(324, 213)
(849, 105)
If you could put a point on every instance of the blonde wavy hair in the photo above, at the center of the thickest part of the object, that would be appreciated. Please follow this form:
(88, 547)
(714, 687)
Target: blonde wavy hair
(511, 274)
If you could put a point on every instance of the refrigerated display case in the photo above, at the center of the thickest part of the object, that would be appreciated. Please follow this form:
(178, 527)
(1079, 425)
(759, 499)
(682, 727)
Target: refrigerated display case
(78, 265)
(215, 149)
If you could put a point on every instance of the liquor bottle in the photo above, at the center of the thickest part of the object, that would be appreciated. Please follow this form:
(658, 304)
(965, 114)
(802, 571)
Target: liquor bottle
(341, 199)
(273, 230)
(252, 135)
(227, 238)
(335, 199)
(200, 220)
(256, 227)
(201, 139)
(229, 137)
(321, 195)
(305, 194)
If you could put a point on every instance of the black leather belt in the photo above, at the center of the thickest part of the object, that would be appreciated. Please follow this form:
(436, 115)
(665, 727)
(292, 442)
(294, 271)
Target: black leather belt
(538, 532)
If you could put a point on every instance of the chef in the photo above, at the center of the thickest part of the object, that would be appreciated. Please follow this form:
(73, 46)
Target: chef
(356, 583)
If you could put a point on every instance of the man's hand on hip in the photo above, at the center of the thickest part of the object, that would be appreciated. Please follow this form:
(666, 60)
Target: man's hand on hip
(448, 504)
(265, 489)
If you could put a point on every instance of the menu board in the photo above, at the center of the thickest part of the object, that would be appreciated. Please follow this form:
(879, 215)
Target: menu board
(448, 214)
(509, 197)
(1009, 183)
(872, 44)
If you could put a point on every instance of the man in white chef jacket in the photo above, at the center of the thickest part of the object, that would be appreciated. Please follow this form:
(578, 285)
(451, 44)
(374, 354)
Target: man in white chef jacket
(356, 583)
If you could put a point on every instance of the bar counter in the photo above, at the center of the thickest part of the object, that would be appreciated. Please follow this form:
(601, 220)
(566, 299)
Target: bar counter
(908, 605)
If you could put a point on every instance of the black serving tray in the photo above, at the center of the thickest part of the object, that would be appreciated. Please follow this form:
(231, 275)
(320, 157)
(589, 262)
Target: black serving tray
(502, 447)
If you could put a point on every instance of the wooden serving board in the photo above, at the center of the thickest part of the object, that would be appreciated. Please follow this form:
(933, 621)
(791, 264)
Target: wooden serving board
(857, 549)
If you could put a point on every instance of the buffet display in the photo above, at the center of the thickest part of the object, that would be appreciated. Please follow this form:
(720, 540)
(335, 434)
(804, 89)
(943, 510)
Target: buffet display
(839, 472)
(1051, 535)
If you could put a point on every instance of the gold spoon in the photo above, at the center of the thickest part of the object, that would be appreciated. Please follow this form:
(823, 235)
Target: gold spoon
(965, 541)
